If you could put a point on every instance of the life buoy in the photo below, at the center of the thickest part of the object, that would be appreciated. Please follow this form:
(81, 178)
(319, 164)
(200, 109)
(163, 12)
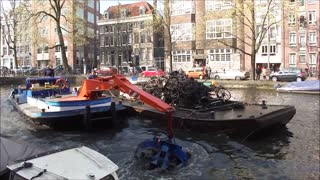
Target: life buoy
(62, 82)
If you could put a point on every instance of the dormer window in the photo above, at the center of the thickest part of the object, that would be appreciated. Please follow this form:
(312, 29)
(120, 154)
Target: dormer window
(142, 10)
(106, 15)
(124, 13)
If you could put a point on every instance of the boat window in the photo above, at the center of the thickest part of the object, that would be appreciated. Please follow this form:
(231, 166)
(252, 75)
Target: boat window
(109, 177)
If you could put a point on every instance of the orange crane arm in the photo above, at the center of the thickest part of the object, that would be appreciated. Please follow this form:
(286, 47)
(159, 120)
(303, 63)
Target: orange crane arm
(121, 83)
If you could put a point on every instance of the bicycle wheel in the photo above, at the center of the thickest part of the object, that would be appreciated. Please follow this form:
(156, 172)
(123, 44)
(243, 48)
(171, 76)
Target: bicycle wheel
(223, 93)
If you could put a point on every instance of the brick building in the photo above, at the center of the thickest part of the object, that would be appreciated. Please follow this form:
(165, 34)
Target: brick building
(128, 38)
(301, 36)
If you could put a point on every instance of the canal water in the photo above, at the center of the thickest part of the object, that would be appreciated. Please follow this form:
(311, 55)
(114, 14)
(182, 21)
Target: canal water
(292, 153)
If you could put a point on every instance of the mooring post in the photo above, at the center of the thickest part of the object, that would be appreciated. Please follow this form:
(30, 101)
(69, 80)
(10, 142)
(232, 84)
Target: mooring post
(87, 118)
(113, 113)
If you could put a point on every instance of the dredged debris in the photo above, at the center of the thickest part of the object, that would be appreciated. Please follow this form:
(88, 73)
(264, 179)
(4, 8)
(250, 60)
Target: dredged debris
(180, 91)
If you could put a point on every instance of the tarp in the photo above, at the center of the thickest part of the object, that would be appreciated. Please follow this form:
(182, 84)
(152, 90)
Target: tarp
(310, 85)
(12, 151)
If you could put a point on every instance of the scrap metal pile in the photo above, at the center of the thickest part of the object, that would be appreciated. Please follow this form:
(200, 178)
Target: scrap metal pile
(180, 91)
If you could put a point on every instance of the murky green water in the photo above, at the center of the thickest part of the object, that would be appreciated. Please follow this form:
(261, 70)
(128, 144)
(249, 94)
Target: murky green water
(292, 153)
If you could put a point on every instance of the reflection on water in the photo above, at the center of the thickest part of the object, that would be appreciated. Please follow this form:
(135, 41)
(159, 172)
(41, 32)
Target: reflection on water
(290, 153)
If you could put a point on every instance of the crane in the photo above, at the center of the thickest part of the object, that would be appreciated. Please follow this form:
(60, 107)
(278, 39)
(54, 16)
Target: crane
(160, 153)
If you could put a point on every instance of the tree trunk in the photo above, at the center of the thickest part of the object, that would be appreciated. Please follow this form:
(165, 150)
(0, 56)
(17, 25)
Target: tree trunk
(63, 50)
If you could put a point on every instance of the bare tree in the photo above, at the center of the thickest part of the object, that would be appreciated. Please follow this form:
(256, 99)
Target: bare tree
(248, 32)
(15, 23)
(60, 12)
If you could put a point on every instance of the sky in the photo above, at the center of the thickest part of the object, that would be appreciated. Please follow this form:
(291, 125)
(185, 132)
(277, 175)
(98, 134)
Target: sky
(104, 4)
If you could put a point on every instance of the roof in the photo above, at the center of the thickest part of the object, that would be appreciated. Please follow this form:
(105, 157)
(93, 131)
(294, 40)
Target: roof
(133, 8)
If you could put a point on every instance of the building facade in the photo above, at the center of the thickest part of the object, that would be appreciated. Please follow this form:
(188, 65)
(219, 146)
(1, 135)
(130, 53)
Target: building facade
(14, 28)
(301, 36)
(128, 38)
(202, 34)
(36, 43)
(79, 30)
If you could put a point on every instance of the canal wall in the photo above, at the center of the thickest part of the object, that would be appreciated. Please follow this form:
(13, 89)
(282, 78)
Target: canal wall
(19, 80)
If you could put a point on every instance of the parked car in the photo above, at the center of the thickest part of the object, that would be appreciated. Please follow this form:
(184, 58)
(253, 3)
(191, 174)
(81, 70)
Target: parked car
(31, 71)
(106, 71)
(231, 75)
(21, 70)
(289, 74)
(197, 72)
(152, 72)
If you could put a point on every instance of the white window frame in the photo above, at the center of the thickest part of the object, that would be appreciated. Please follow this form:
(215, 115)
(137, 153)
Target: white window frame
(182, 56)
(312, 38)
(302, 55)
(213, 5)
(312, 17)
(292, 39)
(302, 40)
(292, 19)
(182, 32)
(292, 58)
(223, 55)
(91, 3)
(181, 7)
(312, 58)
(216, 27)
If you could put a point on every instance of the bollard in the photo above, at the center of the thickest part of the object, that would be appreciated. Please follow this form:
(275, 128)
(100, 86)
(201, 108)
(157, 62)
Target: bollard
(87, 118)
(113, 113)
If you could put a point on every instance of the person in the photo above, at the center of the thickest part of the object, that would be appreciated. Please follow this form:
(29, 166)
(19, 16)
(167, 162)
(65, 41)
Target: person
(93, 75)
(208, 71)
(49, 71)
(258, 72)
(264, 73)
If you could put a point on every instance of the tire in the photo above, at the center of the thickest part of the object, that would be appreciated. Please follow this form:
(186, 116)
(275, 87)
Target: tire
(299, 79)
(238, 78)
(217, 77)
(274, 79)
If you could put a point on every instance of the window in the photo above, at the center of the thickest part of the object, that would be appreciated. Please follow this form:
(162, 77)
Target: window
(292, 39)
(57, 49)
(212, 5)
(141, 24)
(124, 13)
(46, 49)
(302, 40)
(312, 38)
(312, 58)
(5, 51)
(218, 29)
(91, 17)
(292, 58)
(312, 17)
(182, 56)
(301, 2)
(39, 50)
(182, 32)
(80, 12)
(302, 58)
(142, 37)
(272, 50)
(142, 10)
(180, 7)
(58, 61)
(292, 19)
(91, 3)
(273, 32)
(220, 54)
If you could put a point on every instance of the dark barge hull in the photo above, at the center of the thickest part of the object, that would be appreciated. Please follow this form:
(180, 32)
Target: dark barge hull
(233, 117)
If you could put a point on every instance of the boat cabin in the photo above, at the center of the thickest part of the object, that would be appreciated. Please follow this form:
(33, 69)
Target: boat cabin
(43, 87)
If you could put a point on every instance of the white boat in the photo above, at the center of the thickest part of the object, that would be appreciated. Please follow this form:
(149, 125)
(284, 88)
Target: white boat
(48, 100)
(76, 163)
